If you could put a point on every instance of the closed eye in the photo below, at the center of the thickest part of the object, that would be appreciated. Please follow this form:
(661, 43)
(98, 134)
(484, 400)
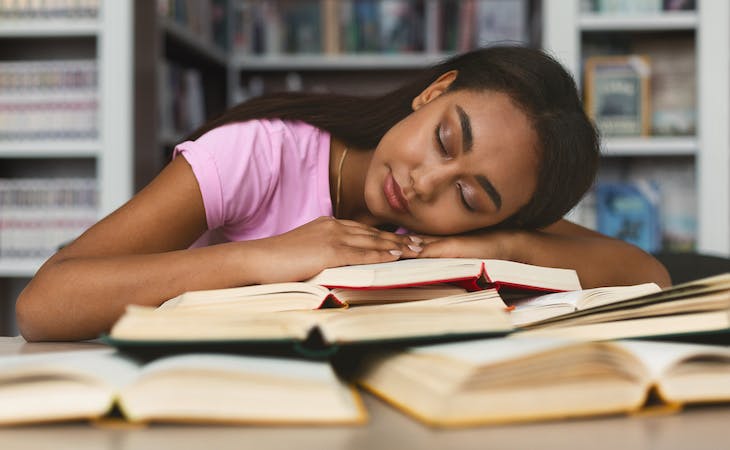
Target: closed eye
(463, 199)
(440, 143)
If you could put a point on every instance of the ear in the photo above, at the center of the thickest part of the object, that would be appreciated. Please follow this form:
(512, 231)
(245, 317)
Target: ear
(434, 89)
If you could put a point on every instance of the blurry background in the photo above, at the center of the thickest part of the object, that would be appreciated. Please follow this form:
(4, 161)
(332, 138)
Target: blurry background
(94, 94)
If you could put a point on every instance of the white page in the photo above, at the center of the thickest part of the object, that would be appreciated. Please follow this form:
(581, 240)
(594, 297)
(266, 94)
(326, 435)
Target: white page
(661, 356)
(488, 351)
(562, 298)
(259, 365)
(103, 365)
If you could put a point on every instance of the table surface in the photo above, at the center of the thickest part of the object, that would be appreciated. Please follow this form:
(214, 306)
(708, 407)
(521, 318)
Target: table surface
(694, 428)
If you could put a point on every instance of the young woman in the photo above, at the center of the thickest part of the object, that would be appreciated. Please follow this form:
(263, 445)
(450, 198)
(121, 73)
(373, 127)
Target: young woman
(480, 156)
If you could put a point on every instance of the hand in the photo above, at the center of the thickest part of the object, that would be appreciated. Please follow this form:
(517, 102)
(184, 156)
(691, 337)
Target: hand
(496, 244)
(326, 242)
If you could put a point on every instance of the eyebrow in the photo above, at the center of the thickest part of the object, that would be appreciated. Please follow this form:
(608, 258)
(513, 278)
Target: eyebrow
(467, 142)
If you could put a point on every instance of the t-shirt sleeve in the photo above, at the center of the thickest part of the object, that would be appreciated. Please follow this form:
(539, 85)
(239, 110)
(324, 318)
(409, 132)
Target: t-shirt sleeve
(235, 169)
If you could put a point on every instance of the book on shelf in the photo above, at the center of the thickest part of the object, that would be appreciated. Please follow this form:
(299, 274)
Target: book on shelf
(630, 211)
(698, 310)
(376, 26)
(617, 95)
(501, 21)
(635, 6)
(510, 379)
(204, 388)
(49, 10)
(673, 86)
(468, 272)
(37, 215)
(310, 333)
(529, 310)
(206, 19)
(181, 98)
(48, 100)
(675, 180)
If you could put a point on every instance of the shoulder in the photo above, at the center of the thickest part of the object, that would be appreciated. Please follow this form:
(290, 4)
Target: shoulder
(257, 129)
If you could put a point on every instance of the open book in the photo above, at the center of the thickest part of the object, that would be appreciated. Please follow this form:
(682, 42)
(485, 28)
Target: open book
(529, 310)
(297, 296)
(478, 313)
(697, 310)
(472, 274)
(214, 388)
(512, 379)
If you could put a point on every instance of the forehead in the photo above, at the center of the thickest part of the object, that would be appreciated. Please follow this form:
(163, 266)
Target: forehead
(495, 116)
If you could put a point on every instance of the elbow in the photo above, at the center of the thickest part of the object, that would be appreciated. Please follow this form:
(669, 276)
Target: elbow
(661, 275)
(36, 317)
(27, 317)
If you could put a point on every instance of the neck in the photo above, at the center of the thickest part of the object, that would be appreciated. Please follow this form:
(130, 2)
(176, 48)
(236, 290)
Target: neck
(352, 196)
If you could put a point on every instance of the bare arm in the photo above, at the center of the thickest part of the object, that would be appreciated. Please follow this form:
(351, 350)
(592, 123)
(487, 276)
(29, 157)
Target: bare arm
(598, 259)
(139, 255)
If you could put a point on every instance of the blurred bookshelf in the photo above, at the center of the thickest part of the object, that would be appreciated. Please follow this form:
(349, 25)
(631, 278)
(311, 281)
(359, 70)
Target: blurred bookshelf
(64, 86)
(677, 168)
(65, 129)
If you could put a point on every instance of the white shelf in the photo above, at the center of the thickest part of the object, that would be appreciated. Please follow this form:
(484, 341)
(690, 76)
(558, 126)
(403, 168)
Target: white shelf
(20, 268)
(189, 39)
(356, 61)
(649, 146)
(49, 149)
(684, 20)
(44, 28)
(563, 26)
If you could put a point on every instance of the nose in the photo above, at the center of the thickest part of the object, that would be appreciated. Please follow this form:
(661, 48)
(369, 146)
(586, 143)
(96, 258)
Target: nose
(427, 181)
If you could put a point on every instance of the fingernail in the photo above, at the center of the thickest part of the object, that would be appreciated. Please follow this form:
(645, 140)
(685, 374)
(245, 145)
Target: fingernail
(415, 248)
(415, 239)
(395, 252)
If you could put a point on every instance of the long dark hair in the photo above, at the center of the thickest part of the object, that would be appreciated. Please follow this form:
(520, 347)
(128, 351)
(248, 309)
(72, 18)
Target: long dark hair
(539, 85)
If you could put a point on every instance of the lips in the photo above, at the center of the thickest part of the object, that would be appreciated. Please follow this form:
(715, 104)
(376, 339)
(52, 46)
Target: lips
(394, 194)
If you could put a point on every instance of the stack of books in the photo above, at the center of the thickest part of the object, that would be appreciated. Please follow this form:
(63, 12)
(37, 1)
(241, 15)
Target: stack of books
(451, 342)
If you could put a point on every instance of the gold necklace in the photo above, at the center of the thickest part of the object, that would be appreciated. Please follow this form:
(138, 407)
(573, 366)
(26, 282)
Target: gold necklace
(339, 182)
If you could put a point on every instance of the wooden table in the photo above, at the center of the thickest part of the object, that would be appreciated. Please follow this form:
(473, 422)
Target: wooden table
(695, 428)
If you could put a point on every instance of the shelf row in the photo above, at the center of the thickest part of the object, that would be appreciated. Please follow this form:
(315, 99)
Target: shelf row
(684, 20)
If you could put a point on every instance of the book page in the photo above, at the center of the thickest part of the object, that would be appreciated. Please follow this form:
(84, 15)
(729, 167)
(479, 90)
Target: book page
(534, 309)
(104, 366)
(487, 351)
(398, 273)
(259, 292)
(381, 296)
(453, 315)
(660, 357)
(254, 365)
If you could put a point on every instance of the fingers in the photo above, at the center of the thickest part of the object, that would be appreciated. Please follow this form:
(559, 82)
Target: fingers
(409, 245)
(359, 255)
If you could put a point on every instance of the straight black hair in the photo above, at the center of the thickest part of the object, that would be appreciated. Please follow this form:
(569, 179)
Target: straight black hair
(567, 140)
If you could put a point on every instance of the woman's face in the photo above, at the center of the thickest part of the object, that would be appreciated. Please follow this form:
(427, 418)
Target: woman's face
(461, 161)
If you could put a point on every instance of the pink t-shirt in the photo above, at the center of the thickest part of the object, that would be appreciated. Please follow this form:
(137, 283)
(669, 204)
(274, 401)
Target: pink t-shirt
(260, 178)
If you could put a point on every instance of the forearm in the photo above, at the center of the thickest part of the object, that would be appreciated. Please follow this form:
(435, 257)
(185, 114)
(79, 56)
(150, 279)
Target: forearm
(81, 297)
(599, 260)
